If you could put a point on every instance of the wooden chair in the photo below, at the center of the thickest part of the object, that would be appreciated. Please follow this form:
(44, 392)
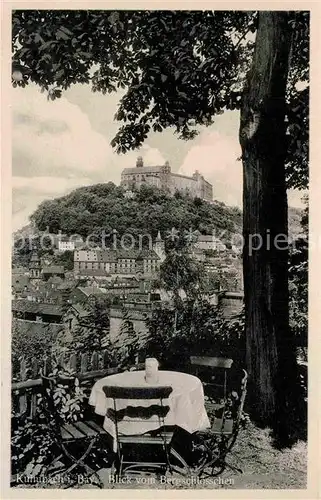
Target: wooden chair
(217, 442)
(213, 371)
(69, 436)
(160, 438)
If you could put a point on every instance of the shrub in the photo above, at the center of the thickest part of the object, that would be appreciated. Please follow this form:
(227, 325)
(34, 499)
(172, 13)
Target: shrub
(33, 438)
(201, 330)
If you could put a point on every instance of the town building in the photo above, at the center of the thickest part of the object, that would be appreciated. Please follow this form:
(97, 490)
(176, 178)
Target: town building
(37, 329)
(163, 178)
(35, 266)
(66, 243)
(209, 242)
(53, 271)
(100, 264)
(39, 312)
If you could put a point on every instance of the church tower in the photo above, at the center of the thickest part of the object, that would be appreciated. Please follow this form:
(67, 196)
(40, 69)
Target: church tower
(34, 265)
(159, 247)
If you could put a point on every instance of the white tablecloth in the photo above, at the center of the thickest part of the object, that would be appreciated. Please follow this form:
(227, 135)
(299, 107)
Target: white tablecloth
(186, 402)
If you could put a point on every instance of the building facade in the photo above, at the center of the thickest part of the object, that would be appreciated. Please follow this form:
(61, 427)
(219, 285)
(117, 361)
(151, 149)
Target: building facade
(35, 266)
(137, 262)
(163, 178)
(117, 262)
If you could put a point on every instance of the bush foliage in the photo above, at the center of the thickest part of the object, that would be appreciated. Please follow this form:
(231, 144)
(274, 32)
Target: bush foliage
(91, 209)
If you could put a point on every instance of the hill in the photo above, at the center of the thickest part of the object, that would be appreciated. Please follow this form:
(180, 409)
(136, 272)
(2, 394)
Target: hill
(90, 210)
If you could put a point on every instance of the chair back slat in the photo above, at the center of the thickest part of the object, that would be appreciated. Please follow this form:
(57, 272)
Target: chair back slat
(160, 392)
(155, 412)
(218, 367)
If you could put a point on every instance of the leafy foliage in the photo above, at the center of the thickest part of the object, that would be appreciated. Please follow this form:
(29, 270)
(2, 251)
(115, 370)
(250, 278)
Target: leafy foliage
(33, 344)
(65, 259)
(201, 330)
(33, 439)
(102, 208)
(92, 333)
(179, 271)
(126, 346)
(179, 69)
(298, 283)
(24, 247)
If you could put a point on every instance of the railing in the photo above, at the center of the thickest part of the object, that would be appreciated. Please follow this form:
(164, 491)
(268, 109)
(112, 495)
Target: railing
(27, 384)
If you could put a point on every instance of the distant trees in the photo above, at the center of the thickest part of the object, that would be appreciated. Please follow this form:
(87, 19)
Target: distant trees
(32, 343)
(298, 283)
(92, 333)
(90, 210)
(65, 259)
(200, 330)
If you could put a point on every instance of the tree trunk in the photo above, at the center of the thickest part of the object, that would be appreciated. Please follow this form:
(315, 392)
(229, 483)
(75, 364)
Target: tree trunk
(271, 359)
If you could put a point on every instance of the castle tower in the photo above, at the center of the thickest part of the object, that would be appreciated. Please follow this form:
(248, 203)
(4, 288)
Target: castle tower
(34, 266)
(139, 162)
(165, 176)
(159, 247)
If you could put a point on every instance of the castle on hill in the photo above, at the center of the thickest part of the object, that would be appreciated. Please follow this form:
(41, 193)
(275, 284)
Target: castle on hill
(163, 178)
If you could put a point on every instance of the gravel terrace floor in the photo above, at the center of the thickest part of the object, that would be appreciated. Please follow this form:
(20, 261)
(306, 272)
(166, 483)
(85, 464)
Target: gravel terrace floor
(264, 467)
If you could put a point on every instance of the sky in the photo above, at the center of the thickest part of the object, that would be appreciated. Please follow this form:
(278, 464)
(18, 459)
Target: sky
(63, 144)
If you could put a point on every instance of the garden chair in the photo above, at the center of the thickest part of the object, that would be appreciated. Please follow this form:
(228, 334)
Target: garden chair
(214, 444)
(160, 438)
(213, 371)
(82, 436)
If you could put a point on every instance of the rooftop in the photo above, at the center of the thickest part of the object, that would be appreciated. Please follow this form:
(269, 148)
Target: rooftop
(93, 272)
(19, 270)
(142, 170)
(33, 328)
(20, 282)
(89, 290)
(36, 307)
(80, 310)
(114, 256)
(53, 270)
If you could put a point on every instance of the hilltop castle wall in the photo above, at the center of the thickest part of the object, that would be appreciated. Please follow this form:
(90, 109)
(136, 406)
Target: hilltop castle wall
(163, 178)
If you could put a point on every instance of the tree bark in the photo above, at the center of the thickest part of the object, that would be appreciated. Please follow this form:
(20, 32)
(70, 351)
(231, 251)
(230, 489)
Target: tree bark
(271, 359)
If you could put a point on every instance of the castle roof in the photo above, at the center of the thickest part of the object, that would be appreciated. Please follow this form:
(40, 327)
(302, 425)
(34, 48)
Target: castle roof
(142, 170)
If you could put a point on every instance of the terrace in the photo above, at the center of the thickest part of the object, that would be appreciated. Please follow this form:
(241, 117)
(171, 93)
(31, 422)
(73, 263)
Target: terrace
(263, 465)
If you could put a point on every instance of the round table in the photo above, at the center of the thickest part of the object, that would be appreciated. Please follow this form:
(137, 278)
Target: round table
(186, 402)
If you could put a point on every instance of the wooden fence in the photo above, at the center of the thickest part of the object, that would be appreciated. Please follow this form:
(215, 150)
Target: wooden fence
(24, 390)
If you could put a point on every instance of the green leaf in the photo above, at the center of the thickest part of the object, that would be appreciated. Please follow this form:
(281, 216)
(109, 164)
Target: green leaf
(46, 45)
(66, 30)
(60, 35)
(59, 74)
